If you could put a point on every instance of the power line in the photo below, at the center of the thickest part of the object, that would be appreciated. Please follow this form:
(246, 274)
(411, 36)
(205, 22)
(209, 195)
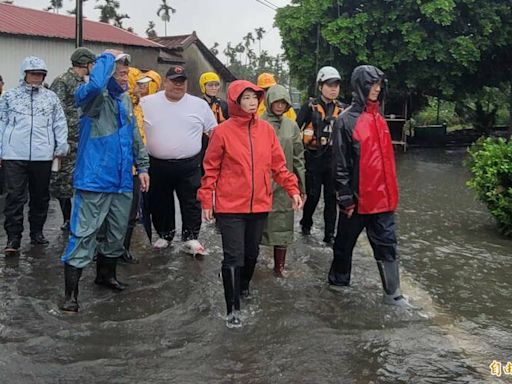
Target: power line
(267, 5)
(272, 4)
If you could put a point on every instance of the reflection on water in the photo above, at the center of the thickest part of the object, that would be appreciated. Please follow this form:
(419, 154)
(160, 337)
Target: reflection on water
(167, 327)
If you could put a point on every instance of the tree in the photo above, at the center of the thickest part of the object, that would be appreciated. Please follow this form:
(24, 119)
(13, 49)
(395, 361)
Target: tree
(259, 36)
(214, 48)
(55, 6)
(108, 11)
(164, 12)
(150, 30)
(73, 11)
(118, 19)
(443, 48)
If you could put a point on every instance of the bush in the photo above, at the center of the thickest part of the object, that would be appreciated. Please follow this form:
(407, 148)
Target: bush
(490, 163)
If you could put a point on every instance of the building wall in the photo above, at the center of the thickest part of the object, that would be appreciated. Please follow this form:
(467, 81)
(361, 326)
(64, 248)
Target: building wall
(56, 54)
(196, 64)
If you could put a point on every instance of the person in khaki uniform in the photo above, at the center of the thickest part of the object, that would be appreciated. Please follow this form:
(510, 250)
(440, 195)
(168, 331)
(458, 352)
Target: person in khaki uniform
(64, 86)
(278, 231)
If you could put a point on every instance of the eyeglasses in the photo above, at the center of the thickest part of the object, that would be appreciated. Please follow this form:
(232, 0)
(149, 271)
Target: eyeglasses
(212, 85)
(178, 80)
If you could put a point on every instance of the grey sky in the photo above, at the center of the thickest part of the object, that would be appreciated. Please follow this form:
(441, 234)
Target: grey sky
(213, 20)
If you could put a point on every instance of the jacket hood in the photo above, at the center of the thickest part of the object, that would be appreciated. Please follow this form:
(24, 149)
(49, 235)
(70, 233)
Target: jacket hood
(235, 90)
(31, 63)
(156, 83)
(275, 93)
(363, 77)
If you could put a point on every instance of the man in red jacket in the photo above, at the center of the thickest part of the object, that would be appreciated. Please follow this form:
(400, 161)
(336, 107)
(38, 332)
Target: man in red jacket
(366, 185)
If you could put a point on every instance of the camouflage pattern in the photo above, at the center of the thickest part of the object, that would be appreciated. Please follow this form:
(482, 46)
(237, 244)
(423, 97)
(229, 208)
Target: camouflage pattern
(65, 85)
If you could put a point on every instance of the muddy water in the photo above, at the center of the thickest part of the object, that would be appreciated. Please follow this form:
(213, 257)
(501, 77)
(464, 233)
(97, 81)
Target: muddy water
(168, 326)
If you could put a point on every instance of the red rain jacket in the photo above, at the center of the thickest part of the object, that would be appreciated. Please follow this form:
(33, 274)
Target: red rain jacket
(242, 156)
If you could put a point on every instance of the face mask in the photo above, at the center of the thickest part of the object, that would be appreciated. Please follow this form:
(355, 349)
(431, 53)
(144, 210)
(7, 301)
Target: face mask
(86, 79)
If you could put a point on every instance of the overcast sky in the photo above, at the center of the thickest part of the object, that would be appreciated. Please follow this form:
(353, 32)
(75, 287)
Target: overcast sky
(213, 20)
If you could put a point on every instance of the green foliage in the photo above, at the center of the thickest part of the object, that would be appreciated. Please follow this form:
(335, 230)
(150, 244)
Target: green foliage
(245, 63)
(441, 48)
(491, 165)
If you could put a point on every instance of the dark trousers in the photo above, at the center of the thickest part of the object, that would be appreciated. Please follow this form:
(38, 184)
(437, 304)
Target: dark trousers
(18, 175)
(241, 237)
(135, 203)
(380, 229)
(319, 173)
(184, 177)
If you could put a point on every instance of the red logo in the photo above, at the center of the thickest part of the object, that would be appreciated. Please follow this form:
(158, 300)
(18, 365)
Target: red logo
(178, 69)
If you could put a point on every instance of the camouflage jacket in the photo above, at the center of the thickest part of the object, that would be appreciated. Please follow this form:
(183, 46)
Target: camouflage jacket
(65, 86)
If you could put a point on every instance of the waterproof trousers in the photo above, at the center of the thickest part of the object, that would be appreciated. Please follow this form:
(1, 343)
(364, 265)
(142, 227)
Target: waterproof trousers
(241, 237)
(183, 177)
(20, 174)
(319, 174)
(380, 229)
(90, 211)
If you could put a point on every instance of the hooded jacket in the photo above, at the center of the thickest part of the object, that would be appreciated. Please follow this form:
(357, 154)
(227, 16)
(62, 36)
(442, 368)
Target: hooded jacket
(279, 226)
(242, 156)
(109, 142)
(364, 167)
(32, 122)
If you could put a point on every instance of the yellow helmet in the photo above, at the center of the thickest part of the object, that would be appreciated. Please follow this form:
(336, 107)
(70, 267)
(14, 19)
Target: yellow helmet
(207, 77)
(266, 80)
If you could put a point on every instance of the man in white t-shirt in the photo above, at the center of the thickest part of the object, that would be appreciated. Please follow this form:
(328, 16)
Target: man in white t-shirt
(174, 122)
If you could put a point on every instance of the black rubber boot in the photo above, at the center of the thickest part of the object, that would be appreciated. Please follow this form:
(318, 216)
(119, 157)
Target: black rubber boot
(71, 278)
(127, 256)
(246, 273)
(65, 207)
(231, 282)
(390, 276)
(106, 273)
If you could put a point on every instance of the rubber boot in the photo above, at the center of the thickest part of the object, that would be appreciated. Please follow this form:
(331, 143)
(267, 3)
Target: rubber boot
(231, 282)
(246, 273)
(127, 256)
(279, 260)
(106, 273)
(390, 276)
(71, 278)
(65, 207)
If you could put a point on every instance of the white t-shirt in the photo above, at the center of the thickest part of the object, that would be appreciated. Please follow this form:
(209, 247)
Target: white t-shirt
(174, 129)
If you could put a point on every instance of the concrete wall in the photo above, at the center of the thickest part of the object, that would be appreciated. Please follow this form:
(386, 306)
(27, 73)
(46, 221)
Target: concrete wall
(56, 54)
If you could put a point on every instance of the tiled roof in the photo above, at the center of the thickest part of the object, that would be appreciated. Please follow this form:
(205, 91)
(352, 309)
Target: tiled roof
(32, 22)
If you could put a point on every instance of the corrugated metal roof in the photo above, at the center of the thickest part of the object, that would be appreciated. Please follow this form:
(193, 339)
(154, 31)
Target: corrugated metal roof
(26, 21)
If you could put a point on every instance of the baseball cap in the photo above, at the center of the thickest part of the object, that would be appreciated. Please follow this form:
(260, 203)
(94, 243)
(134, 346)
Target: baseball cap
(176, 71)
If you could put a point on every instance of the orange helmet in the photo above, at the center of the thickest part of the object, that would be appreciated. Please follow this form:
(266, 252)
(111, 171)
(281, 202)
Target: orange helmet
(266, 80)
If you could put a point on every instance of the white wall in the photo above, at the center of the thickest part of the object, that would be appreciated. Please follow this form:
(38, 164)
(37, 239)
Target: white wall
(55, 52)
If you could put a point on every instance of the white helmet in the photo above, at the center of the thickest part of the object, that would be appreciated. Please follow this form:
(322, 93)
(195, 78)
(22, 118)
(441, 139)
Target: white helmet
(327, 73)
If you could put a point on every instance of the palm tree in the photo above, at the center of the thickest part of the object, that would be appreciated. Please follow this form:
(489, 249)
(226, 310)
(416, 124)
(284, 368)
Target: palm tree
(214, 49)
(108, 11)
(259, 36)
(54, 6)
(118, 19)
(164, 12)
(150, 30)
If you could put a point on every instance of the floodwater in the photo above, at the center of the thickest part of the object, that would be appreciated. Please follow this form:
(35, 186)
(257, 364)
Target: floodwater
(168, 326)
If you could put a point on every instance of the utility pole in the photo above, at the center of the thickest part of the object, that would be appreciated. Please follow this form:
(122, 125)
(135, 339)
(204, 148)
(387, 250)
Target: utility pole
(79, 24)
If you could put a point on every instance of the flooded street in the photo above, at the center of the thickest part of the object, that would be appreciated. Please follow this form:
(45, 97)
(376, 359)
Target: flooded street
(168, 327)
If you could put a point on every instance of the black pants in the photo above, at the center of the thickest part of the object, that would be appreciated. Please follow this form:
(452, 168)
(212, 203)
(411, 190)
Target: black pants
(319, 173)
(241, 237)
(19, 174)
(184, 177)
(135, 203)
(380, 229)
